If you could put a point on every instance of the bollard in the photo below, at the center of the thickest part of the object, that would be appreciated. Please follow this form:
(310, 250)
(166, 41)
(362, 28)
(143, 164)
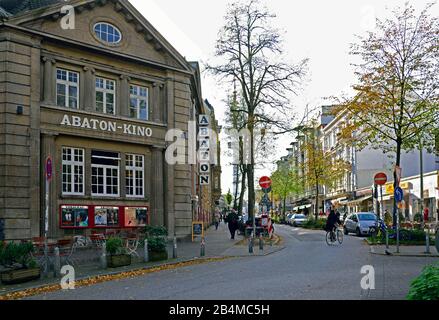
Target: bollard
(104, 256)
(437, 240)
(203, 248)
(174, 251)
(427, 241)
(250, 245)
(387, 239)
(261, 243)
(145, 251)
(57, 263)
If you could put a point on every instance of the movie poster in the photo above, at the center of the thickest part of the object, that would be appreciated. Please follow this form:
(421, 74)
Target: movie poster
(106, 216)
(136, 217)
(74, 216)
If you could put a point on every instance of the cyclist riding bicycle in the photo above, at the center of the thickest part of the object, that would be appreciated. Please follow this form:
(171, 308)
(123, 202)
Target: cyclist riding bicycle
(333, 221)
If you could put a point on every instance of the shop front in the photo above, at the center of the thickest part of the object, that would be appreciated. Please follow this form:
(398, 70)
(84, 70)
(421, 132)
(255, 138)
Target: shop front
(108, 174)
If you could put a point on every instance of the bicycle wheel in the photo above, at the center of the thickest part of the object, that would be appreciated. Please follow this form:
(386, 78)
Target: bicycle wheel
(329, 238)
(339, 236)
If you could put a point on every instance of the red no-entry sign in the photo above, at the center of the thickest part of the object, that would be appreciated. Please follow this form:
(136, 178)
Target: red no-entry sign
(380, 179)
(265, 182)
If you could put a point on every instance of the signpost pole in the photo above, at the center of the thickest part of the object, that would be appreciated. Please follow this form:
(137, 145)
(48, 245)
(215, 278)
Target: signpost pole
(48, 169)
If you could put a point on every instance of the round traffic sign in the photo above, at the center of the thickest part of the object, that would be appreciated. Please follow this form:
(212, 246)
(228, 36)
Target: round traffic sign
(380, 179)
(399, 194)
(265, 182)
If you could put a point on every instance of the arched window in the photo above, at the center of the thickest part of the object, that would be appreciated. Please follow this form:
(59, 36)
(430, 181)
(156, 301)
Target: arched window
(107, 33)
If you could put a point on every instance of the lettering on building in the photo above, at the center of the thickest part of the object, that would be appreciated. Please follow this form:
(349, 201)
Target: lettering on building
(106, 126)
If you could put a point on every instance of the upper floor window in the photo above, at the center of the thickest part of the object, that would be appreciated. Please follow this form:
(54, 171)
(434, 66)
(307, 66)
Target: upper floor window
(107, 33)
(139, 102)
(67, 88)
(105, 95)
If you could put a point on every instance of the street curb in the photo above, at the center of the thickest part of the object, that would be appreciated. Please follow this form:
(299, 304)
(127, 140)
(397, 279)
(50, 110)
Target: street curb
(4, 295)
(372, 251)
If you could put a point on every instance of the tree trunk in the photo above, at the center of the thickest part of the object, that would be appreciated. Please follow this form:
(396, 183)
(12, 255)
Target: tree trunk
(285, 207)
(235, 199)
(241, 195)
(251, 172)
(395, 178)
(316, 209)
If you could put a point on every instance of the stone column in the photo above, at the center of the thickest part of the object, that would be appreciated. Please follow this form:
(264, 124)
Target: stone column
(157, 213)
(156, 103)
(49, 93)
(89, 90)
(124, 96)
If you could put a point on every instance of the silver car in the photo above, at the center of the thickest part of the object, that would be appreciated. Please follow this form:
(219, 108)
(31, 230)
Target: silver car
(360, 223)
(298, 220)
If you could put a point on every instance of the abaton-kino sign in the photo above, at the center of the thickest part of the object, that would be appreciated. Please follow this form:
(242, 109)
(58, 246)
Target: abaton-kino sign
(105, 126)
(204, 149)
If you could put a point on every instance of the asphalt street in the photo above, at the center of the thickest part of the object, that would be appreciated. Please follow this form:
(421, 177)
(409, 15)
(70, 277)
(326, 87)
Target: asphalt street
(306, 269)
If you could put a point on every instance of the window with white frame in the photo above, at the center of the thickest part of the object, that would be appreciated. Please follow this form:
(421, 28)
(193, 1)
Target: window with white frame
(72, 171)
(135, 175)
(67, 88)
(139, 102)
(105, 173)
(105, 95)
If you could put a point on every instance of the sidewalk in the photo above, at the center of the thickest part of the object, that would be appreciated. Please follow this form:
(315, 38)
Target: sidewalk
(404, 251)
(218, 245)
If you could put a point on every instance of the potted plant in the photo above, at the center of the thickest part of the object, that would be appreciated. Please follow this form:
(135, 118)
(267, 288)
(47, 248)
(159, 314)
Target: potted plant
(18, 263)
(157, 243)
(116, 253)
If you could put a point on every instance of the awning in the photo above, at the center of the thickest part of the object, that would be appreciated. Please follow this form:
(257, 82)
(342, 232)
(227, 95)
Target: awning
(302, 207)
(359, 201)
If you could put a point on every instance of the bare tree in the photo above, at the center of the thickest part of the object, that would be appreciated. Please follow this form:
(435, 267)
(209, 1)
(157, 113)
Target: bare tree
(251, 52)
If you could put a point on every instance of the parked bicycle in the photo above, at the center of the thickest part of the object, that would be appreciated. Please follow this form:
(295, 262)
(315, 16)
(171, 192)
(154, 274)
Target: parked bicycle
(381, 229)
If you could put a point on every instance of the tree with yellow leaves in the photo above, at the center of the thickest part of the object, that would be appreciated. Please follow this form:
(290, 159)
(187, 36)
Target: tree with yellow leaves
(395, 108)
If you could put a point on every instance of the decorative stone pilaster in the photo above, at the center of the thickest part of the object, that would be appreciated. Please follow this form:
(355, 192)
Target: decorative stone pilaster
(90, 89)
(157, 201)
(49, 87)
(124, 96)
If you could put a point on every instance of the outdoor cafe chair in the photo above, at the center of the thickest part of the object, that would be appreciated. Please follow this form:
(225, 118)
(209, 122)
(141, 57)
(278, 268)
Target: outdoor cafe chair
(132, 244)
(66, 249)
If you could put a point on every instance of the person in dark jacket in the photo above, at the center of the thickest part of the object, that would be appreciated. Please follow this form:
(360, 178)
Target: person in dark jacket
(333, 220)
(232, 220)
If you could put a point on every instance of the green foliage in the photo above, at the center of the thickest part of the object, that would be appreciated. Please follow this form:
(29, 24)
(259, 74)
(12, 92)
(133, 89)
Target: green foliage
(426, 286)
(115, 246)
(318, 224)
(157, 244)
(13, 254)
(157, 238)
(418, 217)
(228, 198)
(388, 220)
(154, 231)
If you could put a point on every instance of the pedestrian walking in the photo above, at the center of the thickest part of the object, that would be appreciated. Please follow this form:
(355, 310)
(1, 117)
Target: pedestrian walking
(426, 215)
(217, 219)
(232, 220)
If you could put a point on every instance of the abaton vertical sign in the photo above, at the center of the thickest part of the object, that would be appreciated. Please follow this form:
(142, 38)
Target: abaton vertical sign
(204, 149)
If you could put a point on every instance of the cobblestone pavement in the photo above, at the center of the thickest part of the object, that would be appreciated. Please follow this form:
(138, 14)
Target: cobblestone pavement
(306, 269)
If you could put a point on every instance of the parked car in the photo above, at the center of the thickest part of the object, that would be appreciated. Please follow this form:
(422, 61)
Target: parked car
(360, 223)
(288, 218)
(298, 220)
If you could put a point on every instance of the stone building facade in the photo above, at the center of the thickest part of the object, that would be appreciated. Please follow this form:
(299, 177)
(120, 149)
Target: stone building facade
(98, 100)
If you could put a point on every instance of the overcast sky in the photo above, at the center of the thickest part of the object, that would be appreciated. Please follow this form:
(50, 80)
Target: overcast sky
(320, 30)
